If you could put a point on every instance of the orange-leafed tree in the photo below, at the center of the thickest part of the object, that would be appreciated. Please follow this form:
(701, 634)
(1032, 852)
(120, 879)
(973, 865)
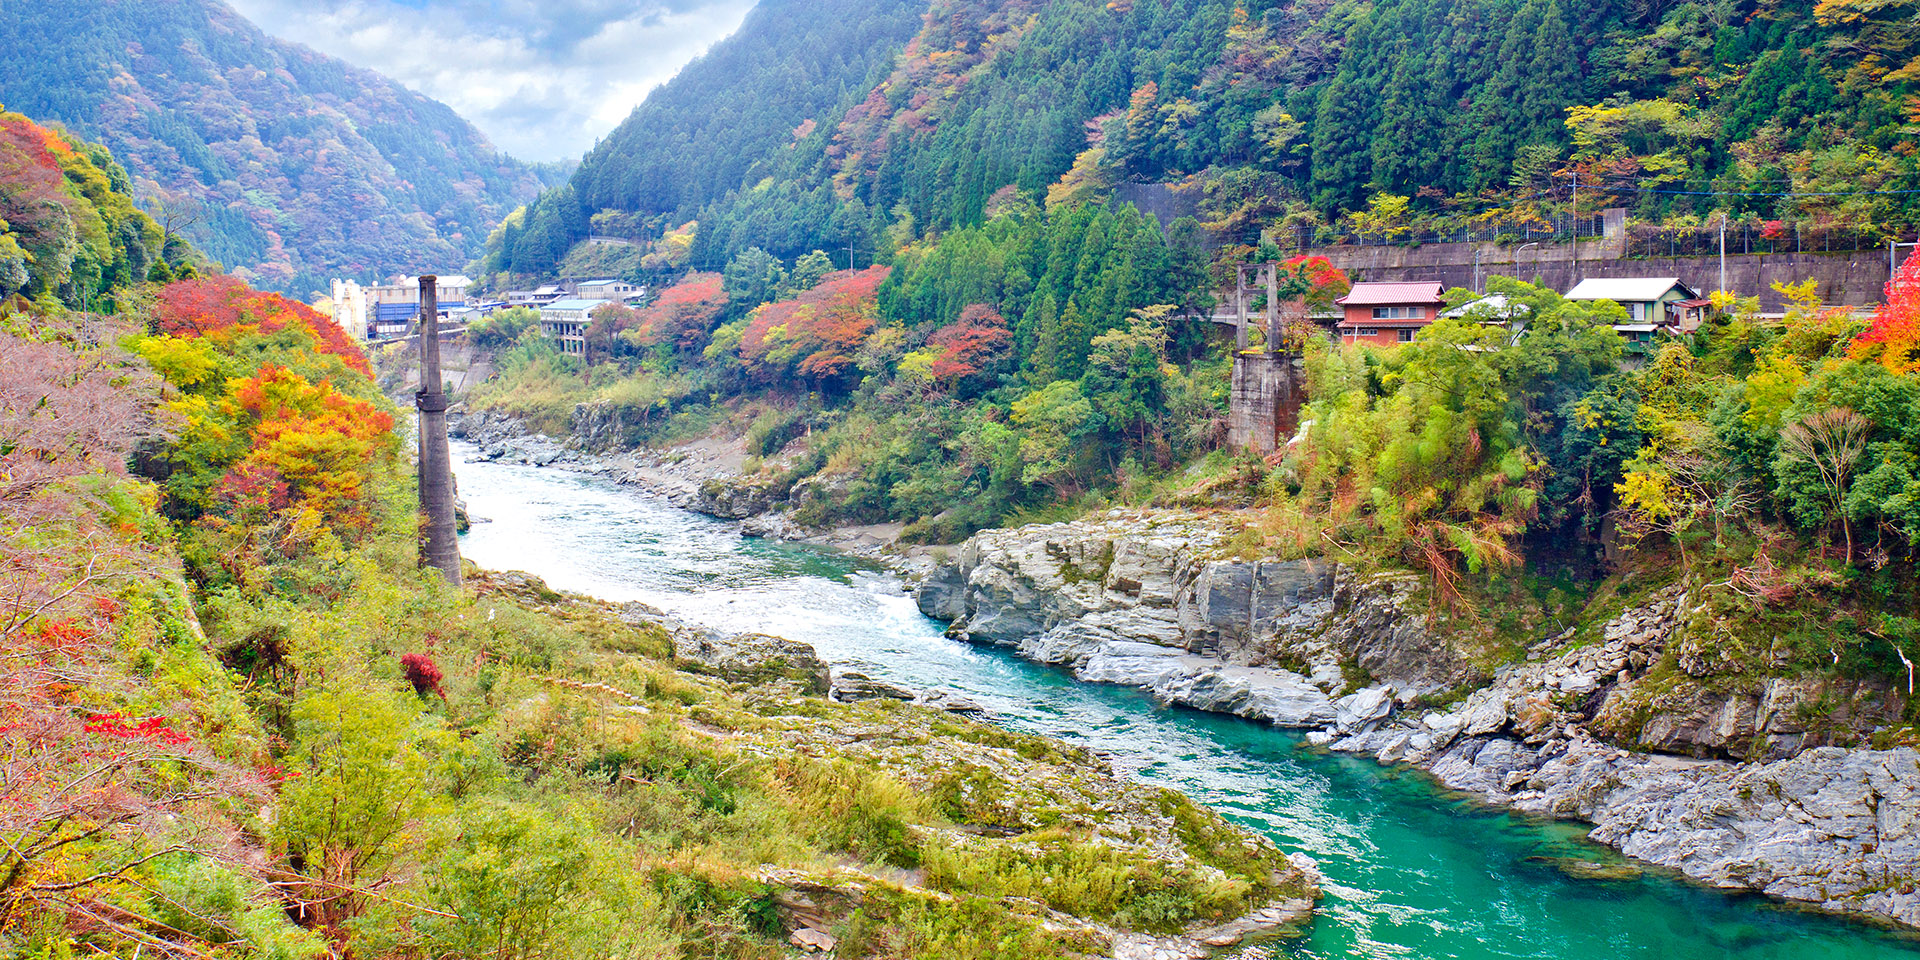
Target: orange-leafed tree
(816, 334)
(310, 446)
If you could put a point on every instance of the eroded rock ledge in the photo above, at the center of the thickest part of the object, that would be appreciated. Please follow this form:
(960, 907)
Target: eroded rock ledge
(1156, 600)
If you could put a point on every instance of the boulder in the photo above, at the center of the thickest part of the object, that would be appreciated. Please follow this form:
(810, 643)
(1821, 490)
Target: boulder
(754, 658)
(736, 498)
(942, 595)
(851, 687)
(1362, 711)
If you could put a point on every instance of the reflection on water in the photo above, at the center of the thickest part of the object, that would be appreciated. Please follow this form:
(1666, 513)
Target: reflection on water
(1412, 871)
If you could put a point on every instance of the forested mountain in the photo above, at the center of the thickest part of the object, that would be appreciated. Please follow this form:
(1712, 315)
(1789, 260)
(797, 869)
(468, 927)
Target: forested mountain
(283, 164)
(729, 118)
(1292, 114)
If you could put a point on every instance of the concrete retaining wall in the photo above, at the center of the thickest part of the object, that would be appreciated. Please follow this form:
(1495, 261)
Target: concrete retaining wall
(1855, 279)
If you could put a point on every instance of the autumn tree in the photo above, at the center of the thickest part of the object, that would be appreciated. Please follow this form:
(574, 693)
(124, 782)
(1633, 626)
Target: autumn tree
(816, 334)
(681, 318)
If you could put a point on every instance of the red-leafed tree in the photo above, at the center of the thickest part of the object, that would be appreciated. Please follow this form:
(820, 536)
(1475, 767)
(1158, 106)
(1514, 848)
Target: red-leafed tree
(970, 346)
(69, 410)
(816, 334)
(682, 316)
(1894, 338)
(1313, 279)
(223, 309)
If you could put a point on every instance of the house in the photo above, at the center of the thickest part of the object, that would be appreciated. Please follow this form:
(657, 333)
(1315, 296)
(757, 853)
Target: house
(1494, 310)
(566, 322)
(1652, 302)
(605, 289)
(1693, 313)
(538, 297)
(1388, 313)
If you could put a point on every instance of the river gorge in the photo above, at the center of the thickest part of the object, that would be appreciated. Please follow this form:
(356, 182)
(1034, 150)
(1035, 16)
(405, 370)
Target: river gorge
(1412, 870)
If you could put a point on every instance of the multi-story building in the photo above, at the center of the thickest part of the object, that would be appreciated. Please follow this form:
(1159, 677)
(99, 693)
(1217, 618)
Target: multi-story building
(392, 307)
(566, 322)
(605, 289)
(350, 308)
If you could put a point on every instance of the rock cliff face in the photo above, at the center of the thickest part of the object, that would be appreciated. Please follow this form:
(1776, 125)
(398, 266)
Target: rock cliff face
(1152, 600)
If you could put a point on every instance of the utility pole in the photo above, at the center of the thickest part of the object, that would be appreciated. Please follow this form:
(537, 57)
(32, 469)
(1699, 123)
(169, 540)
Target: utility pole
(1240, 307)
(1723, 250)
(440, 548)
(1576, 225)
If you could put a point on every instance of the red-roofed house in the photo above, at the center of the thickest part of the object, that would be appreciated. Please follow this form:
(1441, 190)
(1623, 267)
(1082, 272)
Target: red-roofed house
(1388, 313)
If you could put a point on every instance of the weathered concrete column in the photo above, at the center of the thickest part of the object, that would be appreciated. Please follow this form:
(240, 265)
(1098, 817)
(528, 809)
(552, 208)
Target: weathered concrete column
(1240, 307)
(440, 544)
(1273, 308)
(1263, 407)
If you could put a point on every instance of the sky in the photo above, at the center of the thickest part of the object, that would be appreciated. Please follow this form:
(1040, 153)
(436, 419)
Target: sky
(543, 79)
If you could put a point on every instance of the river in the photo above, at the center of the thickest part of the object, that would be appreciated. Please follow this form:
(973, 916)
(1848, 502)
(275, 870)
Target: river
(1412, 871)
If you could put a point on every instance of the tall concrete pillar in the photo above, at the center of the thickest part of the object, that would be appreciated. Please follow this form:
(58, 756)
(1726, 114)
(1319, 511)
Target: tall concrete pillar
(1273, 308)
(1240, 307)
(440, 547)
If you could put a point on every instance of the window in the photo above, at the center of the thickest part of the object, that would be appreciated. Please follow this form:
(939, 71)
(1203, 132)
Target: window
(1396, 313)
(1405, 335)
(1367, 332)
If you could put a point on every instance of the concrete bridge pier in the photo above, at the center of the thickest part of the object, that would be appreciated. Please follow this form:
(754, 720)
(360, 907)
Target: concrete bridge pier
(1263, 407)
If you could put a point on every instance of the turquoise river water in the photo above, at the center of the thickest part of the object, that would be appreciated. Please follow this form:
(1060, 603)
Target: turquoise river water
(1412, 871)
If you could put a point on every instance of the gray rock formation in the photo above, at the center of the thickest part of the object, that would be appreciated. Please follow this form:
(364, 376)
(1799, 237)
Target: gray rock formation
(1148, 600)
(1100, 595)
(851, 686)
(737, 498)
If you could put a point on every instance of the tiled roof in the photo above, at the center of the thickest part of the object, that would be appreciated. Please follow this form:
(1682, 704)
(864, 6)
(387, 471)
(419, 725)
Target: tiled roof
(1383, 294)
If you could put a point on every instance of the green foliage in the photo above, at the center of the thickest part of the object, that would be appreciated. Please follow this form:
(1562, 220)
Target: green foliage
(503, 327)
(69, 227)
(1087, 879)
(518, 881)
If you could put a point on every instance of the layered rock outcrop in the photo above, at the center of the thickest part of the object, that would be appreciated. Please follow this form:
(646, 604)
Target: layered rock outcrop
(1156, 601)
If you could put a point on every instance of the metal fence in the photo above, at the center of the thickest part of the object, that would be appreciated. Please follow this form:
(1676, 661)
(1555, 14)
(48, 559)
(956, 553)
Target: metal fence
(1646, 240)
(1559, 229)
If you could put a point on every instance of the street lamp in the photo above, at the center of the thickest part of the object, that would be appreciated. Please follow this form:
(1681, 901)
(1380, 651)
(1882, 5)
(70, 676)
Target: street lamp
(1516, 253)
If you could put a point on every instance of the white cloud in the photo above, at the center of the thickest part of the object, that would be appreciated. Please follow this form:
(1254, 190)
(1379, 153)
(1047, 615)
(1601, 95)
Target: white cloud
(543, 80)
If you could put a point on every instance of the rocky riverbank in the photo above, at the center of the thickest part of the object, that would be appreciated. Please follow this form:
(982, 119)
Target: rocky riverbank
(1746, 795)
(704, 476)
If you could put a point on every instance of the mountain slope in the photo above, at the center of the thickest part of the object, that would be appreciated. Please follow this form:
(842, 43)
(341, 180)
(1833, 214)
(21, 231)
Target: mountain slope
(789, 64)
(758, 103)
(291, 166)
(1295, 116)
